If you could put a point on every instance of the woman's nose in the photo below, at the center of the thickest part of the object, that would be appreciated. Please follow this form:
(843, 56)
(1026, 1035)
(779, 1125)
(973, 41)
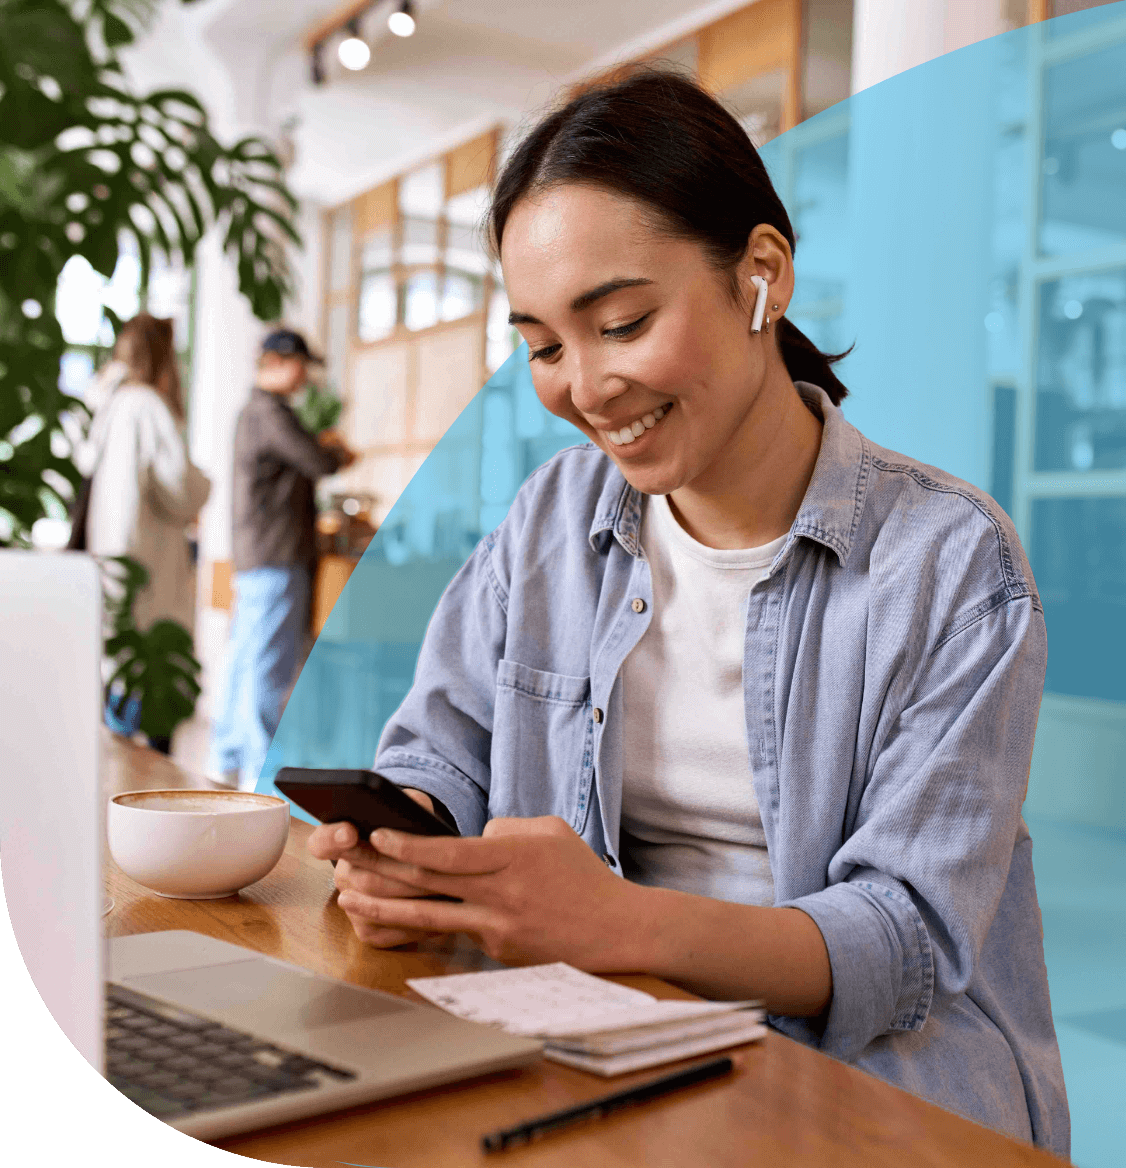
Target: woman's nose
(591, 387)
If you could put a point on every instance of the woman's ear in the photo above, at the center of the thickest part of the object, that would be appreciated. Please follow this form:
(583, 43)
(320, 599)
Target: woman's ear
(768, 256)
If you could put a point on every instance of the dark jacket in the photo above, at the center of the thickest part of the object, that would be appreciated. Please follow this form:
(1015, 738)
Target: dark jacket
(276, 464)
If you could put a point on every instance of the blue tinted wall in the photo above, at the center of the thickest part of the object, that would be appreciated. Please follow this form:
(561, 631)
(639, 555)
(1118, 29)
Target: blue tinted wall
(964, 225)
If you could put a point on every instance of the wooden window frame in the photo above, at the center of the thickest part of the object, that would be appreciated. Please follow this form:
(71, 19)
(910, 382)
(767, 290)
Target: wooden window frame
(464, 169)
(735, 49)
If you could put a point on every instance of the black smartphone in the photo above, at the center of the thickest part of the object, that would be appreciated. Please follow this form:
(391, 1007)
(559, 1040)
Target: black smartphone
(363, 798)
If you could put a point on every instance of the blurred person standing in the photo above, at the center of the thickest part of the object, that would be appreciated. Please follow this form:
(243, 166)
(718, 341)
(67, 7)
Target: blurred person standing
(276, 463)
(144, 490)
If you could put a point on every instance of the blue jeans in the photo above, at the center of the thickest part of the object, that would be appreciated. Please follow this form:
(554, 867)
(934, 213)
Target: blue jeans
(271, 615)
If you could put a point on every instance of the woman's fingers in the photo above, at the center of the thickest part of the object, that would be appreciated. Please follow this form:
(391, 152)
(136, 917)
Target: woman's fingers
(348, 875)
(330, 841)
(457, 867)
(381, 937)
(429, 916)
(470, 856)
(419, 881)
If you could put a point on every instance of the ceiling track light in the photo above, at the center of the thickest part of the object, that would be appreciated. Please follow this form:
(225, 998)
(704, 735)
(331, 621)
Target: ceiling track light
(353, 51)
(401, 22)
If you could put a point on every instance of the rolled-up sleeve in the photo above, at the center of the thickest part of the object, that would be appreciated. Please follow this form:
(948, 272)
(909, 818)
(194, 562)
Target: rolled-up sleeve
(914, 888)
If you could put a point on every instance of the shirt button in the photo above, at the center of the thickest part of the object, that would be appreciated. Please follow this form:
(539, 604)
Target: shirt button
(609, 860)
(597, 714)
(637, 604)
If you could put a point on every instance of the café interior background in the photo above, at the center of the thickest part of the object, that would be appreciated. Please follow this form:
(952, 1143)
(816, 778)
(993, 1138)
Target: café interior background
(964, 223)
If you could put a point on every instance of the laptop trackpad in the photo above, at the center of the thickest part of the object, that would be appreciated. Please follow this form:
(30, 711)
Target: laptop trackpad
(257, 994)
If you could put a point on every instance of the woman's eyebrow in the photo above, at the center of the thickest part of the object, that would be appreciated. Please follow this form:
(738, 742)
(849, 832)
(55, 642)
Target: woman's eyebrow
(585, 300)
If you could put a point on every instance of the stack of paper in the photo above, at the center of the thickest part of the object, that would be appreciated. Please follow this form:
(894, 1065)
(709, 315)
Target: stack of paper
(590, 1023)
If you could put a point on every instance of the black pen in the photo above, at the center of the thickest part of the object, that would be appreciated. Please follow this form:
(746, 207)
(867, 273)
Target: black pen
(524, 1133)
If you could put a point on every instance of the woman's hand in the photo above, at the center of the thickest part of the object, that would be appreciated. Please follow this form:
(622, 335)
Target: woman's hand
(531, 891)
(356, 869)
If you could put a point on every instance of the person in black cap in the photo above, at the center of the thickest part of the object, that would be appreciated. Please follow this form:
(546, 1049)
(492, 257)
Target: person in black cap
(276, 463)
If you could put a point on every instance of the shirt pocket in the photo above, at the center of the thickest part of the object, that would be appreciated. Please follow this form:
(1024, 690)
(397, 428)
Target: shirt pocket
(543, 745)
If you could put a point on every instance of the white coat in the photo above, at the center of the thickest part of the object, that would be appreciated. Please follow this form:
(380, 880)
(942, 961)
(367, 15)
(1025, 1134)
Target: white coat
(145, 491)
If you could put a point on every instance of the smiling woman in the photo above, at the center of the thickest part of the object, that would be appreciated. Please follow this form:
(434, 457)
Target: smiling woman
(732, 695)
(671, 338)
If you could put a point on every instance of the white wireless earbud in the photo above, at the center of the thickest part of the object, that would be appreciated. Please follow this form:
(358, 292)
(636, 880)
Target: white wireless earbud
(760, 303)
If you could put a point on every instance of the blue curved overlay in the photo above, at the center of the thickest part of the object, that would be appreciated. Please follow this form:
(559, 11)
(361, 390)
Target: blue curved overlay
(363, 661)
(964, 224)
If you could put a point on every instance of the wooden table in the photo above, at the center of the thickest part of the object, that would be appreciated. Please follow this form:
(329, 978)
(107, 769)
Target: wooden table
(786, 1105)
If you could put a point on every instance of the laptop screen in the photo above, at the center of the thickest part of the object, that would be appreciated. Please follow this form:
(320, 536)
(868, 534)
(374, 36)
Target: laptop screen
(51, 811)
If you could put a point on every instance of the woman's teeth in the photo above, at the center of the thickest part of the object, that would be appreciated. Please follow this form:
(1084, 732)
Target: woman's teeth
(627, 434)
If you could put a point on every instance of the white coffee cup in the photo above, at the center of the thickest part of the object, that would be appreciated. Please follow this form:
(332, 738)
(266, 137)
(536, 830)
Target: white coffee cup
(196, 845)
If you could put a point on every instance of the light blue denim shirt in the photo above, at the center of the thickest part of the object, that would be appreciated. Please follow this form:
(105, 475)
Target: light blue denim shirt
(894, 664)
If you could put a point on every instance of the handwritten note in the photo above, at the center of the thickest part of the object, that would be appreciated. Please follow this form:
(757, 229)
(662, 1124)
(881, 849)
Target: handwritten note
(560, 1002)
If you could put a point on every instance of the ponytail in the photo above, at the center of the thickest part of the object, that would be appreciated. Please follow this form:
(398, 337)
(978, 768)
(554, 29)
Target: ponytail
(805, 361)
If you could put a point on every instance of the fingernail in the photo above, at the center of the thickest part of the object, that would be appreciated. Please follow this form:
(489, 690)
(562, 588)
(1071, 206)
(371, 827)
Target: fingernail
(341, 835)
(380, 836)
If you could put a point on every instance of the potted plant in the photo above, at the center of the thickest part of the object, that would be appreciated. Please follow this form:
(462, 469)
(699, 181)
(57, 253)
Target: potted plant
(83, 160)
(152, 683)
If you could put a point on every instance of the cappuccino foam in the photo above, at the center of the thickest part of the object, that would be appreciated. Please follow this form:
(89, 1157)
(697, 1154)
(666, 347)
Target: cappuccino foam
(217, 804)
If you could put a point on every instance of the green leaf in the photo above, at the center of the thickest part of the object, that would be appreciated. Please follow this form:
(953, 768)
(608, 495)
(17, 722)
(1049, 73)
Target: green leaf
(29, 118)
(156, 666)
(115, 321)
(320, 410)
(116, 31)
(239, 188)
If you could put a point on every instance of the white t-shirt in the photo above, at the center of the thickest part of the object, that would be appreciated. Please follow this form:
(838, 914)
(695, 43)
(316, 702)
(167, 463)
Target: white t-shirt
(690, 819)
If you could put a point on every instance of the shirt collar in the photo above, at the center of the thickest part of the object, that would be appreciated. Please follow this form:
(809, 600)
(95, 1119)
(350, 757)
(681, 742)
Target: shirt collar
(829, 513)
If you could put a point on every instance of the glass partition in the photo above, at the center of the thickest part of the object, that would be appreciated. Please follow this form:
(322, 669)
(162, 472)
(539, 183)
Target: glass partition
(1084, 155)
(1081, 372)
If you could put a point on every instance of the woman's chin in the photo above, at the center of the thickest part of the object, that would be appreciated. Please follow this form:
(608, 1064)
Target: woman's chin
(654, 479)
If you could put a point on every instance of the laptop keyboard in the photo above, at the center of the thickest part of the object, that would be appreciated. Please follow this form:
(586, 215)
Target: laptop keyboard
(172, 1062)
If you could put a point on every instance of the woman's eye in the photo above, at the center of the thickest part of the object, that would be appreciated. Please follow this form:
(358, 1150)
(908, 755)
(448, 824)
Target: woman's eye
(625, 329)
(622, 331)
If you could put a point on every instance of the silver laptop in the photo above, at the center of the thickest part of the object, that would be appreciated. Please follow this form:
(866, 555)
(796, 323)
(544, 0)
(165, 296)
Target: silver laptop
(212, 1038)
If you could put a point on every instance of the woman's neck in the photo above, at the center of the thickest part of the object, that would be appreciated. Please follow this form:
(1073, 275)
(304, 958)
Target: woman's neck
(752, 494)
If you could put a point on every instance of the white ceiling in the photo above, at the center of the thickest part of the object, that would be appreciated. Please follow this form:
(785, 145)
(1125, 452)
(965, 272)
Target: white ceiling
(470, 64)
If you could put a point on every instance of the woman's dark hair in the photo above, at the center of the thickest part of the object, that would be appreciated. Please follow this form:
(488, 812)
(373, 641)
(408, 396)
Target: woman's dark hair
(657, 138)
